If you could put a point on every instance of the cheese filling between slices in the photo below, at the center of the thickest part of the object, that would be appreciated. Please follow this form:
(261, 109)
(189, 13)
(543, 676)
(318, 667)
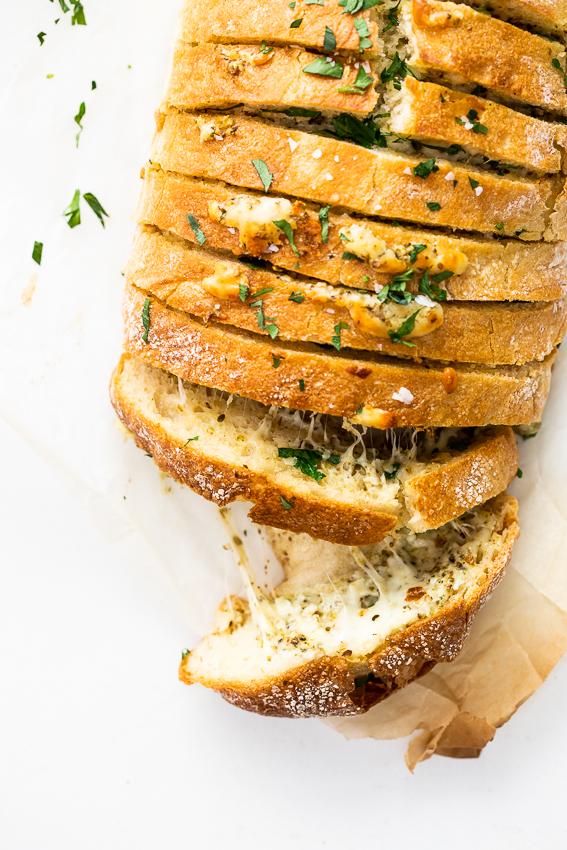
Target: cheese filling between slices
(374, 592)
(254, 217)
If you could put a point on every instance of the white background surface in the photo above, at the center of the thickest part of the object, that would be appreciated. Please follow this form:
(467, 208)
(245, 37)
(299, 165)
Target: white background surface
(100, 746)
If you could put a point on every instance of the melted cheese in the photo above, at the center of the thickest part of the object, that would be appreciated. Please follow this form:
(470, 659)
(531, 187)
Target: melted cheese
(218, 127)
(254, 217)
(226, 281)
(381, 318)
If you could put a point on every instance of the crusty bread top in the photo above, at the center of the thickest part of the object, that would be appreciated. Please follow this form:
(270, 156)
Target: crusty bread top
(248, 21)
(432, 112)
(375, 182)
(545, 15)
(272, 657)
(211, 76)
(497, 270)
(208, 285)
(370, 388)
(233, 454)
(461, 44)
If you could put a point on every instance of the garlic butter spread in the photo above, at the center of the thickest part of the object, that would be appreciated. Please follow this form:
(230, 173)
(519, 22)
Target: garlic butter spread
(226, 281)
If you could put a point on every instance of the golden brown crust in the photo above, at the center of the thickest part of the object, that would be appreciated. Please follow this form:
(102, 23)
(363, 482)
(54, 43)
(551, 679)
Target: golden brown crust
(326, 686)
(205, 77)
(493, 333)
(430, 113)
(456, 41)
(482, 470)
(503, 270)
(375, 182)
(546, 15)
(247, 21)
(336, 383)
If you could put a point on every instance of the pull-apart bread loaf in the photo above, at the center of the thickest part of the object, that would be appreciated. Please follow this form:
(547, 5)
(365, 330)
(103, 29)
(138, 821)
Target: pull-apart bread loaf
(348, 284)
(311, 473)
(351, 626)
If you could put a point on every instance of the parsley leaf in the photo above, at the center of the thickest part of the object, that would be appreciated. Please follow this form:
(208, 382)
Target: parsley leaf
(364, 43)
(474, 183)
(264, 47)
(499, 226)
(426, 287)
(324, 220)
(405, 329)
(78, 118)
(41, 36)
(37, 252)
(263, 173)
(305, 460)
(73, 211)
(557, 64)
(392, 17)
(190, 440)
(396, 71)
(417, 249)
(286, 227)
(433, 205)
(146, 319)
(389, 476)
(329, 42)
(301, 383)
(199, 235)
(253, 264)
(299, 112)
(78, 16)
(243, 292)
(298, 297)
(336, 338)
(295, 24)
(287, 505)
(276, 361)
(365, 132)
(424, 169)
(321, 67)
(362, 82)
(95, 206)
(347, 255)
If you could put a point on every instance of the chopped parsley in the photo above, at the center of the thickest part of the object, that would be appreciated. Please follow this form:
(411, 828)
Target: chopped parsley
(253, 264)
(41, 36)
(354, 6)
(37, 252)
(286, 228)
(474, 183)
(306, 461)
(146, 320)
(287, 505)
(396, 72)
(329, 42)
(499, 226)
(199, 235)
(424, 169)
(301, 383)
(393, 18)
(298, 297)
(78, 118)
(396, 289)
(324, 220)
(347, 255)
(264, 47)
(359, 411)
(477, 127)
(73, 211)
(276, 361)
(426, 287)
(190, 440)
(405, 329)
(299, 112)
(417, 249)
(185, 653)
(263, 173)
(519, 473)
(243, 292)
(365, 132)
(362, 82)
(478, 91)
(93, 85)
(364, 42)
(322, 68)
(389, 476)
(433, 205)
(265, 323)
(336, 338)
(556, 64)
(96, 206)
(295, 24)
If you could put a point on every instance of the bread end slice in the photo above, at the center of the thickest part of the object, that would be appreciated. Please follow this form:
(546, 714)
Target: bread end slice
(294, 672)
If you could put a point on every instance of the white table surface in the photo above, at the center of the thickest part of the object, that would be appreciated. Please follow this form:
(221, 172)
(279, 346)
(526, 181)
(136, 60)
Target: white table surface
(100, 745)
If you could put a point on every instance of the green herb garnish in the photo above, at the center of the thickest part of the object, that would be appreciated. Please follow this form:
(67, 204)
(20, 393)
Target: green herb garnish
(199, 235)
(426, 287)
(37, 252)
(286, 228)
(396, 71)
(146, 319)
(336, 338)
(264, 47)
(329, 42)
(389, 476)
(96, 206)
(299, 112)
(276, 361)
(364, 42)
(324, 220)
(361, 82)
(243, 292)
(295, 24)
(41, 36)
(298, 297)
(405, 329)
(424, 169)
(73, 211)
(417, 249)
(287, 505)
(306, 461)
(190, 440)
(263, 173)
(433, 205)
(322, 68)
(301, 383)
(78, 118)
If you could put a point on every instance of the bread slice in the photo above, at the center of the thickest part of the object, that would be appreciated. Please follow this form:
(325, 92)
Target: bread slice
(349, 627)
(248, 22)
(489, 269)
(209, 285)
(548, 16)
(375, 182)
(455, 43)
(369, 388)
(211, 76)
(354, 488)
(428, 112)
